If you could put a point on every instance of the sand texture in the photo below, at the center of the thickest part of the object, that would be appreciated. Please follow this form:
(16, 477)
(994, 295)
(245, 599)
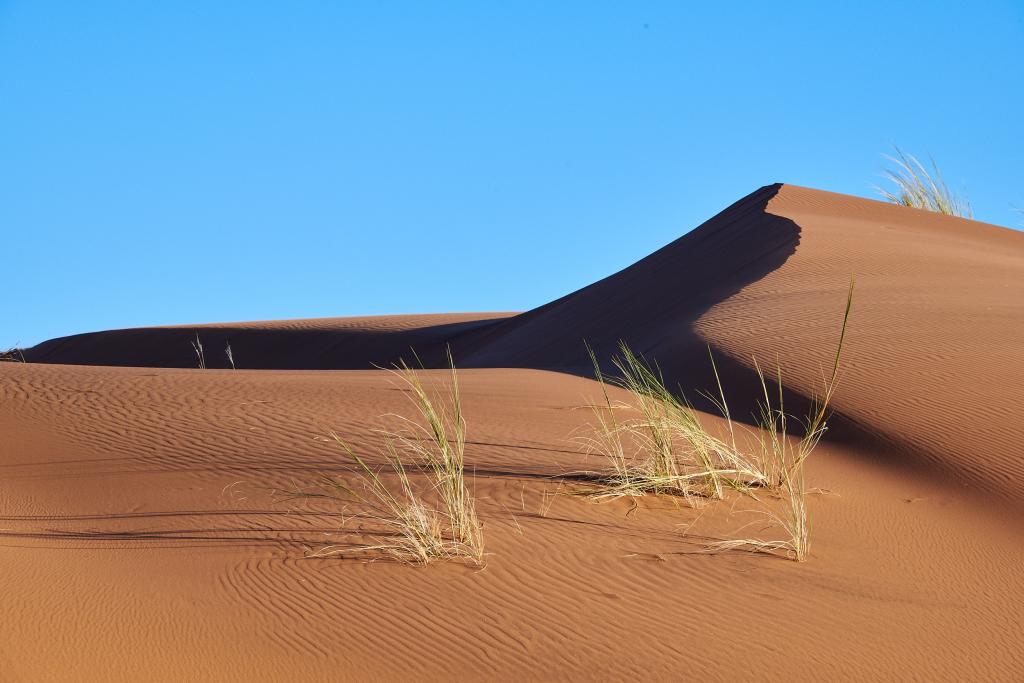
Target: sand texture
(140, 539)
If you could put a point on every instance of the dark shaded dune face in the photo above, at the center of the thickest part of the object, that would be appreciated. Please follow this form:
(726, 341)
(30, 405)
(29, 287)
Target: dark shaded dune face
(315, 344)
(650, 305)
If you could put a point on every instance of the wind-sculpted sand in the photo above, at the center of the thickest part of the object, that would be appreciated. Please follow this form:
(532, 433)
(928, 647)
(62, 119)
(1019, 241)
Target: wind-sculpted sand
(140, 538)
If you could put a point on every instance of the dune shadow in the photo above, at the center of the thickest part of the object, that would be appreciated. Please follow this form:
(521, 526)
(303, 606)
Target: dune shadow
(253, 348)
(652, 305)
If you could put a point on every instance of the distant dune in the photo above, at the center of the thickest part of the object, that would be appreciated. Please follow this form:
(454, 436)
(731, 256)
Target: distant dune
(313, 344)
(139, 540)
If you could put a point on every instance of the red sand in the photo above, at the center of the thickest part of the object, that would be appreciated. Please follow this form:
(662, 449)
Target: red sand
(138, 540)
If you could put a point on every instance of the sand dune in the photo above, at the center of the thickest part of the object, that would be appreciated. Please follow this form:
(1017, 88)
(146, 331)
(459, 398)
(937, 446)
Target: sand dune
(312, 344)
(139, 540)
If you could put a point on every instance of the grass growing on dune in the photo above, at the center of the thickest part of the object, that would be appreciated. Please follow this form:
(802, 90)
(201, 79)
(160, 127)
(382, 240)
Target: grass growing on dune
(440, 445)
(918, 188)
(784, 461)
(417, 530)
(674, 453)
(667, 450)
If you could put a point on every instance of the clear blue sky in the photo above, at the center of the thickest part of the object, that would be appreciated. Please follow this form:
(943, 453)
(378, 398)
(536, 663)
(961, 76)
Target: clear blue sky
(184, 162)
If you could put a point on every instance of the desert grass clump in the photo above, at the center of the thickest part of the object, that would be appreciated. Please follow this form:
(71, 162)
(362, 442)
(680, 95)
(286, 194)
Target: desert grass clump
(666, 450)
(437, 441)
(414, 530)
(918, 188)
(433, 444)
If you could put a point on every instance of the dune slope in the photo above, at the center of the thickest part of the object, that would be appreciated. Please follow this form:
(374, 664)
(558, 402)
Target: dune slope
(140, 538)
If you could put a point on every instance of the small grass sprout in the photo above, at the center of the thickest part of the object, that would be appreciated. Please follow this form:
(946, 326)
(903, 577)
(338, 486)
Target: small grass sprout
(197, 346)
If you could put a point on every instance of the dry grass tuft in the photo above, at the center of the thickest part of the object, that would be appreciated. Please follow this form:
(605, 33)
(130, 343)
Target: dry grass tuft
(415, 533)
(667, 450)
(419, 531)
(917, 188)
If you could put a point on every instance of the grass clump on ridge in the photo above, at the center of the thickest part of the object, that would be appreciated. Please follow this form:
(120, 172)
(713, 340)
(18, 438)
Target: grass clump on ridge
(417, 531)
(676, 455)
(917, 188)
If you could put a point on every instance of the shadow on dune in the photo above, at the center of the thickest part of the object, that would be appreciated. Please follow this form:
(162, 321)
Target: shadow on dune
(651, 305)
(253, 347)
